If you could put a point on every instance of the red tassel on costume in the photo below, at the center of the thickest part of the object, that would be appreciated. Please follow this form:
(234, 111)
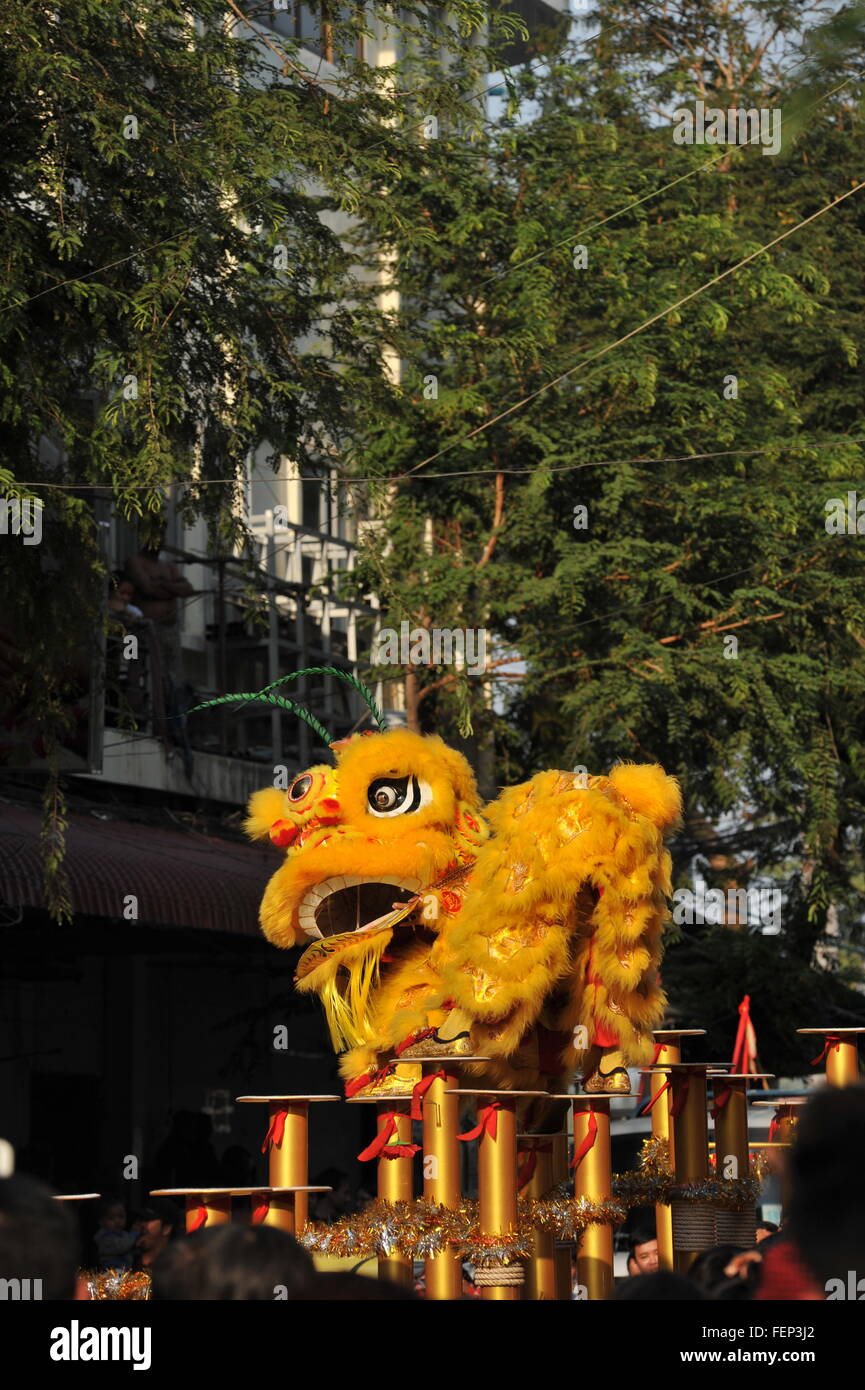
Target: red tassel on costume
(412, 1039)
(367, 1079)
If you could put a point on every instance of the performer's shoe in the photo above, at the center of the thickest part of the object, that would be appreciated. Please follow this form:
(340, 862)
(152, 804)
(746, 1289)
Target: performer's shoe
(451, 1039)
(393, 1083)
(614, 1083)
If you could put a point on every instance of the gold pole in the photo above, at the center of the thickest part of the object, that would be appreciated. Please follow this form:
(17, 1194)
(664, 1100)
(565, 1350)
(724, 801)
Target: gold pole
(441, 1170)
(541, 1267)
(395, 1184)
(668, 1051)
(282, 1211)
(289, 1160)
(216, 1206)
(691, 1156)
(731, 1126)
(497, 1182)
(840, 1049)
(732, 1156)
(786, 1118)
(593, 1179)
(842, 1063)
(563, 1250)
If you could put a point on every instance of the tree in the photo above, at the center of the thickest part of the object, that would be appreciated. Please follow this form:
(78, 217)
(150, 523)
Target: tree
(175, 291)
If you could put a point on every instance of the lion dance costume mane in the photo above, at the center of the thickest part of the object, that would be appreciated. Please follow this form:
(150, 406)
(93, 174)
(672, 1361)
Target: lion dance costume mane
(526, 932)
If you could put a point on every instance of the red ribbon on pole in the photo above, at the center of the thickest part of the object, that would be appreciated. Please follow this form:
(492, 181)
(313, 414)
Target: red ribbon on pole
(833, 1041)
(721, 1098)
(526, 1169)
(197, 1221)
(657, 1095)
(588, 1140)
(381, 1146)
(487, 1122)
(259, 1212)
(420, 1091)
(275, 1130)
(679, 1103)
(644, 1079)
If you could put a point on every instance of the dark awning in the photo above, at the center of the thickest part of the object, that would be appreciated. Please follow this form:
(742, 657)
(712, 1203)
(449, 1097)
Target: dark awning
(181, 878)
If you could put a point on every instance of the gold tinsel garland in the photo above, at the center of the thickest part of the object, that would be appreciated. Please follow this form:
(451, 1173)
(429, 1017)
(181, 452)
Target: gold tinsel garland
(119, 1284)
(421, 1228)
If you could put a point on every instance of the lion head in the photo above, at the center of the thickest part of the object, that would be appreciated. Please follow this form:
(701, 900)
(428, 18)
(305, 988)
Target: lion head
(366, 845)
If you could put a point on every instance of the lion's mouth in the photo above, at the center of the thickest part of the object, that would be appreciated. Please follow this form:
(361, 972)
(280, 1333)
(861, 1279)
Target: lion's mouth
(349, 904)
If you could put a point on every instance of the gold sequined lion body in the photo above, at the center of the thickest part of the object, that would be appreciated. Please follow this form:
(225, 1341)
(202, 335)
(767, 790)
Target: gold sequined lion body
(527, 932)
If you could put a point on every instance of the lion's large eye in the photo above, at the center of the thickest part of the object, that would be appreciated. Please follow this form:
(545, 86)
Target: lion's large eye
(397, 796)
(299, 787)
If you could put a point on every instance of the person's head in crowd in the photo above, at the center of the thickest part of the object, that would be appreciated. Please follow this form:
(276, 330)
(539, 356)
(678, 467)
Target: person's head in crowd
(766, 1228)
(825, 1212)
(38, 1238)
(233, 1264)
(112, 1215)
(643, 1250)
(662, 1285)
(708, 1270)
(348, 1287)
(156, 1223)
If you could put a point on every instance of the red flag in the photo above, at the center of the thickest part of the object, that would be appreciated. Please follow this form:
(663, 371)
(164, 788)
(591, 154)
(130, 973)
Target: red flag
(745, 1050)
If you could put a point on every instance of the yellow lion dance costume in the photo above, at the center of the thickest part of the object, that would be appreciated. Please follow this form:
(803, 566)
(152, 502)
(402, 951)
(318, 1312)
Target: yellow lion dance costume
(527, 932)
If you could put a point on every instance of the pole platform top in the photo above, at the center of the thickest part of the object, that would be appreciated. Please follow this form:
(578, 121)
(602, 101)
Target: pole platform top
(258, 1100)
(660, 1034)
(783, 1100)
(231, 1191)
(839, 1032)
(743, 1076)
(228, 1191)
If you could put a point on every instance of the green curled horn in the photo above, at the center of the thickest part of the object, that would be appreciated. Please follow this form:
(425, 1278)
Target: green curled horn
(263, 698)
(363, 690)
